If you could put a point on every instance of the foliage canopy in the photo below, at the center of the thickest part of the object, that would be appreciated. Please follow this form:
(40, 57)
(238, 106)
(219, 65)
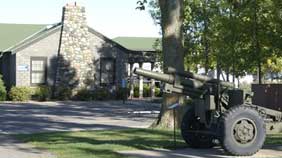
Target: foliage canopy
(237, 34)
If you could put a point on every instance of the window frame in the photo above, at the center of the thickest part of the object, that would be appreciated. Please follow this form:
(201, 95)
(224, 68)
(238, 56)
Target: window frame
(44, 59)
(114, 70)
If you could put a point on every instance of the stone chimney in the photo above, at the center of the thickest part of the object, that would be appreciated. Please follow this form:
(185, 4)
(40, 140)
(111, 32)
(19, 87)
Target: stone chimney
(75, 69)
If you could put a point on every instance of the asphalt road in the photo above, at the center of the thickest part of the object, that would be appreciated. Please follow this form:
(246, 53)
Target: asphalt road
(33, 117)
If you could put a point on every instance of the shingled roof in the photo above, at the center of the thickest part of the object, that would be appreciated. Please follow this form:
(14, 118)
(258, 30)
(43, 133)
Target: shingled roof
(138, 43)
(12, 34)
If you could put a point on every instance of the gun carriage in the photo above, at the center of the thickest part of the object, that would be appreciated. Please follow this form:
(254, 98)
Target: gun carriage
(218, 112)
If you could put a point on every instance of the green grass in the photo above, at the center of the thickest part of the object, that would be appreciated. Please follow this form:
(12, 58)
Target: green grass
(274, 139)
(105, 144)
(102, 144)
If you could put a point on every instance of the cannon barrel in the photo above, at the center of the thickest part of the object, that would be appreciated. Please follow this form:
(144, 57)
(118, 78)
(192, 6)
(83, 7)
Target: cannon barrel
(190, 79)
(188, 74)
(168, 78)
(198, 77)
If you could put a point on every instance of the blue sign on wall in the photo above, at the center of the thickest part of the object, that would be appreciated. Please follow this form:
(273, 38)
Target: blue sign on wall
(23, 68)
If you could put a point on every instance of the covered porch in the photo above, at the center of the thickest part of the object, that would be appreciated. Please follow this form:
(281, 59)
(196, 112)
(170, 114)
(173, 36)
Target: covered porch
(141, 59)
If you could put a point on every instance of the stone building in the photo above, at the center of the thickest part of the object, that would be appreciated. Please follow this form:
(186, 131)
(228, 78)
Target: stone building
(67, 54)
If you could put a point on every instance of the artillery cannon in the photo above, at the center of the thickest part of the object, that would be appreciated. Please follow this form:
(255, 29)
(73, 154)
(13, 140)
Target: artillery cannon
(218, 112)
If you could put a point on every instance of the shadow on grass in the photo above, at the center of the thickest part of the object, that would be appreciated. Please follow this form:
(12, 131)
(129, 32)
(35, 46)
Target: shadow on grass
(103, 143)
(274, 139)
(274, 142)
(109, 143)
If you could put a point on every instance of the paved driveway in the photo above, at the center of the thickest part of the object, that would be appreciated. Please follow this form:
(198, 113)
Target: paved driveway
(34, 117)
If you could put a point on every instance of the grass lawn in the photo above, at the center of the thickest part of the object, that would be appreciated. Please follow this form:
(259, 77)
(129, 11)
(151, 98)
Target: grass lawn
(102, 144)
(274, 139)
(105, 144)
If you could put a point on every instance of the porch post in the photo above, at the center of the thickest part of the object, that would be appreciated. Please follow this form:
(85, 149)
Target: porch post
(141, 83)
(131, 81)
(152, 82)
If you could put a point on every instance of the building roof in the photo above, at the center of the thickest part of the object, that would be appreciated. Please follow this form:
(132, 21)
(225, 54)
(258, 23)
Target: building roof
(38, 34)
(14, 37)
(138, 43)
(13, 34)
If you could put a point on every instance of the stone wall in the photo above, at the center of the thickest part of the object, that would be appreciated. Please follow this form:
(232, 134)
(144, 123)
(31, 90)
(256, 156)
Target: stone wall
(75, 64)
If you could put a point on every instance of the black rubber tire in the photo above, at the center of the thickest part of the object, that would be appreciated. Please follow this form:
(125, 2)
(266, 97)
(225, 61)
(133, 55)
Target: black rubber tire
(195, 140)
(228, 131)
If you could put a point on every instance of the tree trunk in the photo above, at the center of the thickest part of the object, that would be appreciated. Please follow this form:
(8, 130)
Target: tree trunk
(257, 44)
(172, 15)
(259, 72)
(227, 75)
(238, 81)
(205, 39)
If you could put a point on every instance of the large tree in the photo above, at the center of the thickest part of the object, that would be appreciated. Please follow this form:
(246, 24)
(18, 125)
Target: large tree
(172, 17)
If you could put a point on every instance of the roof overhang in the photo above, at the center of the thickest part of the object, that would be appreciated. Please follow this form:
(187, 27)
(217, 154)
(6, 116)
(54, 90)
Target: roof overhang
(34, 38)
(142, 57)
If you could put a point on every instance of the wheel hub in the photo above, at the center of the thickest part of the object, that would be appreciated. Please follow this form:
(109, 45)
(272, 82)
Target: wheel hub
(244, 131)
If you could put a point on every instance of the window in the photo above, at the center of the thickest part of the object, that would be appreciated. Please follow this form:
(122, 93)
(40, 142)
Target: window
(107, 71)
(38, 69)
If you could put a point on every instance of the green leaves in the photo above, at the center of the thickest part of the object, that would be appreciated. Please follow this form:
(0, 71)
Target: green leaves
(141, 4)
(237, 34)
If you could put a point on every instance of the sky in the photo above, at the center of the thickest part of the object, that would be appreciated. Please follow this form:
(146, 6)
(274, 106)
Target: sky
(113, 18)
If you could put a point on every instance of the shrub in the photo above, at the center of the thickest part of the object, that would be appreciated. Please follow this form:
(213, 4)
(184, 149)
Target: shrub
(64, 93)
(41, 93)
(158, 92)
(3, 92)
(147, 91)
(120, 93)
(20, 94)
(84, 95)
(101, 94)
(136, 92)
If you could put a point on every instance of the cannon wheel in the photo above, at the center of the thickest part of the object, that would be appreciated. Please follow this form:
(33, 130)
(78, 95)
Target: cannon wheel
(189, 127)
(243, 131)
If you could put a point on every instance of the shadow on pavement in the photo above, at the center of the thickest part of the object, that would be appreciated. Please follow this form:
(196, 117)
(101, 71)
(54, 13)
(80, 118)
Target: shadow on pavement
(64, 116)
